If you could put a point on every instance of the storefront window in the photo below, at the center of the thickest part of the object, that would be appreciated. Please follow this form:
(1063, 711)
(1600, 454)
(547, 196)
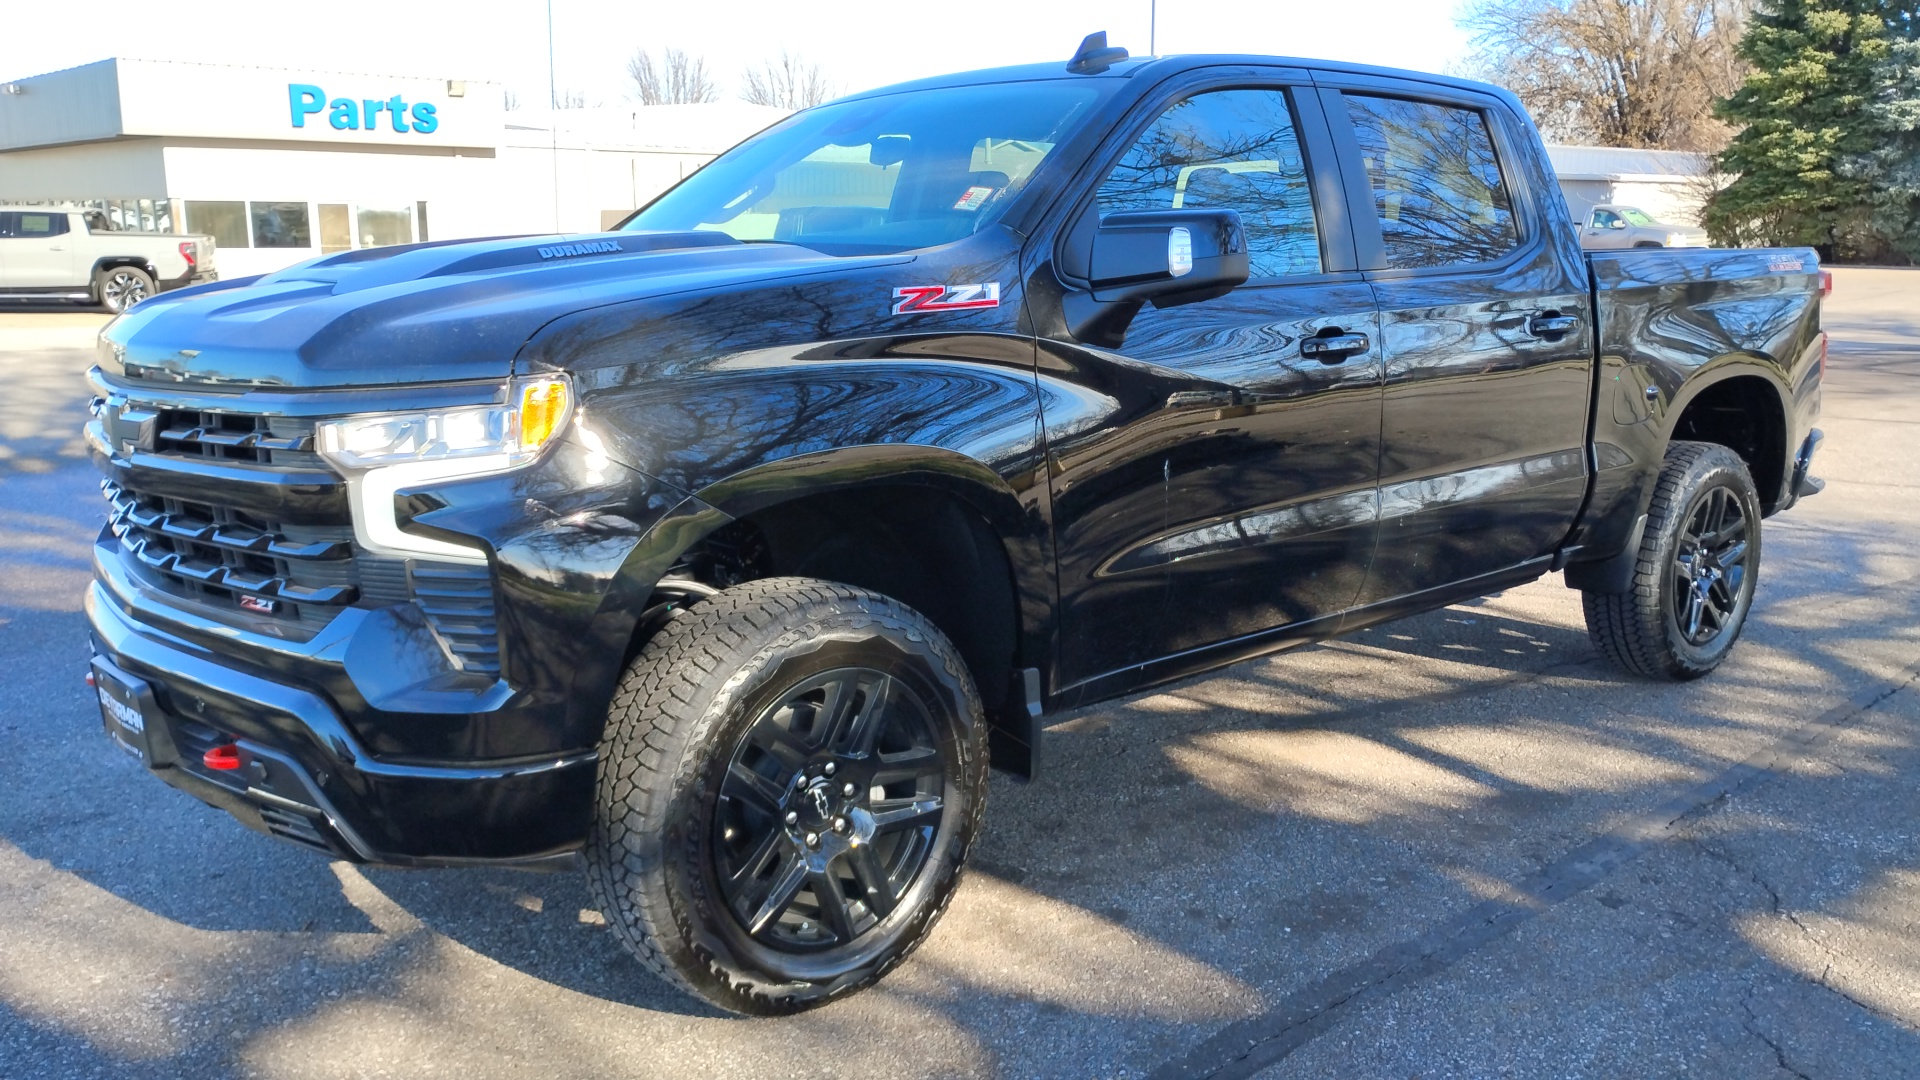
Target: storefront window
(336, 228)
(379, 228)
(226, 222)
(281, 225)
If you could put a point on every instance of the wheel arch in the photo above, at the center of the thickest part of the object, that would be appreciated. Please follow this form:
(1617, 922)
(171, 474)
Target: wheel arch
(1742, 403)
(937, 530)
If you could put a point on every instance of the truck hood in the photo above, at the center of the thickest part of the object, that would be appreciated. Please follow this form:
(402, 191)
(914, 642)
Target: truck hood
(425, 312)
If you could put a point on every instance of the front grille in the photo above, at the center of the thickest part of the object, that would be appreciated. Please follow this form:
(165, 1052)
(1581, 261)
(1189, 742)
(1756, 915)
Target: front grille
(236, 437)
(239, 562)
(231, 558)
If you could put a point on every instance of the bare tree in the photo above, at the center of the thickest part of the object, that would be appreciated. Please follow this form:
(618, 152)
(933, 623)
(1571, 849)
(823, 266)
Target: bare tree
(1641, 73)
(787, 83)
(570, 99)
(675, 79)
(509, 100)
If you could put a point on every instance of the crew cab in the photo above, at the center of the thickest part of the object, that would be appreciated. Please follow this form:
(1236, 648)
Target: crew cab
(721, 553)
(65, 254)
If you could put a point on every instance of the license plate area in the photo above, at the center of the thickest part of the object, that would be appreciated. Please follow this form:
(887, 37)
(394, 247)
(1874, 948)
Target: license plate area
(126, 709)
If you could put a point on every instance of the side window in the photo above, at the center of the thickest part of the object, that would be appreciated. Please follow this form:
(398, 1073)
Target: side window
(1231, 150)
(1604, 219)
(1436, 182)
(6, 222)
(29, 224)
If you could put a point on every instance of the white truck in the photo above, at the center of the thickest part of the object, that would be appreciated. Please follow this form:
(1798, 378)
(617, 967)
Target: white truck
(71, 254)
(1611, 227)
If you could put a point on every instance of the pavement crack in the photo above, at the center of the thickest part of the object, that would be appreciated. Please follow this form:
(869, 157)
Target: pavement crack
(1752, 1027)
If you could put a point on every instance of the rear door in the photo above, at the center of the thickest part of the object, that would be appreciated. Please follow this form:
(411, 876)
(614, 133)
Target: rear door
(40, 254)
(1486, 325)
(1210, 481)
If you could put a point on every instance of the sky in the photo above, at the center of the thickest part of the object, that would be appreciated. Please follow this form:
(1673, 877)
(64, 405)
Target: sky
(858, 43)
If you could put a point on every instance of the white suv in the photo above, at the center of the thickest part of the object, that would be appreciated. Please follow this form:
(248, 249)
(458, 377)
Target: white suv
(66, 254)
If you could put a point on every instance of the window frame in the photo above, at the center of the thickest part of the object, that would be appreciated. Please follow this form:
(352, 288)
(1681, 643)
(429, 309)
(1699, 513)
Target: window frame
(1507, 151)
(1338, 255)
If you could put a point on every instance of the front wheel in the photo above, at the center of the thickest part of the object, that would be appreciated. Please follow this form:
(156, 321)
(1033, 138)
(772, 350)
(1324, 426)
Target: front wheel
(121, 287)
(790, 777)
(1694, 578)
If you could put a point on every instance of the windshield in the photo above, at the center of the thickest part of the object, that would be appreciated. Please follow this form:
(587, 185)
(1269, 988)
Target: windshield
(1635, 217)
(880, 175)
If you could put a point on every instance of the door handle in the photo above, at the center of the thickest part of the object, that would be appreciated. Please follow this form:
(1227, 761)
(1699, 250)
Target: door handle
(1552, 324)
(1333, 346)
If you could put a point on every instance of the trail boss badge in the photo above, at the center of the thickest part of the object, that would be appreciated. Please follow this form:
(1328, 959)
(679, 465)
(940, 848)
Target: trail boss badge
(909, 299)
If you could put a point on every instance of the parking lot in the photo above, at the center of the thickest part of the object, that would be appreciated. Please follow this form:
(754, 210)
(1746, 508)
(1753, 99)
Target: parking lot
(1458, 846)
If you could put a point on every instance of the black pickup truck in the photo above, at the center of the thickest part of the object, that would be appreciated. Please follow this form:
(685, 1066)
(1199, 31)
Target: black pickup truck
(723, 552)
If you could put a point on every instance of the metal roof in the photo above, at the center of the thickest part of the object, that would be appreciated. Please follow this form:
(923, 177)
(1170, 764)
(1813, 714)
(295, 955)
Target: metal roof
(1624, 163)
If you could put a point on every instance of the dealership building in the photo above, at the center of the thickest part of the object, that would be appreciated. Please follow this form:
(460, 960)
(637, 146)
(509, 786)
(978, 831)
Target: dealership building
(279, 166)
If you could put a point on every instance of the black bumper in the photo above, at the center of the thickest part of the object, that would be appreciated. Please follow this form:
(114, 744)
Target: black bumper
(305, 778)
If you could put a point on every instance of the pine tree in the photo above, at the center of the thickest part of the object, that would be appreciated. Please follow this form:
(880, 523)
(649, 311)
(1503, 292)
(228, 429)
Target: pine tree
(1803, 113)
(1892, 169)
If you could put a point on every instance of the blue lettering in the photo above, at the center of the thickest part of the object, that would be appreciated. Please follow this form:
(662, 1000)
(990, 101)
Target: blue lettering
(343, 114)
(303, 100)
(397, 112)
(424, 120)
(372, 109)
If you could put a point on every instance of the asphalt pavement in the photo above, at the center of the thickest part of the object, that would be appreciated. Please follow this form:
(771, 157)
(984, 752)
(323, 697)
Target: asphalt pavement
(1456, 846)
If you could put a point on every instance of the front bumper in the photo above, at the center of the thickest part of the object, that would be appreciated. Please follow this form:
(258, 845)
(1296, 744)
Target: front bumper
(305, 777)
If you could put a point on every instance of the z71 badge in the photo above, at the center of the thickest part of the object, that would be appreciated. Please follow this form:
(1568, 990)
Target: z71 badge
(908, 299)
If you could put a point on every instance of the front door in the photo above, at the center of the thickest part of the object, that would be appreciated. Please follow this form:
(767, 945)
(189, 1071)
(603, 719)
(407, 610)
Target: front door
(1606, 230)
(1211, 478)
(1488, 333)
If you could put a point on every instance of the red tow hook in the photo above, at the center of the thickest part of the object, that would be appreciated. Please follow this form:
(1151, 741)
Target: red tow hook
(225, 758)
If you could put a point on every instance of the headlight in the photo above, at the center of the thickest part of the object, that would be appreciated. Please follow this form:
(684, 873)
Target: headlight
(381, 453)
(535, 412)
(1678, 239)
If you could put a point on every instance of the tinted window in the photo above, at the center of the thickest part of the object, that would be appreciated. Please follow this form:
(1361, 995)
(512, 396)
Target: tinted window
(883, 174)
(1436, 182)
(28, 223)
(1230, 150)
(280, 225)
(226, 222)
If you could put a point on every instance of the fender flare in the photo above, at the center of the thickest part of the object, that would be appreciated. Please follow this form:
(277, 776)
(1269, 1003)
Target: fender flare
(1022, 531)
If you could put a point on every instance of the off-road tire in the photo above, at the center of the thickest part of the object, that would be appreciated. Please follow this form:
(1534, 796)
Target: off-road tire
(1637, 629)
(679, 711)
(121, 287)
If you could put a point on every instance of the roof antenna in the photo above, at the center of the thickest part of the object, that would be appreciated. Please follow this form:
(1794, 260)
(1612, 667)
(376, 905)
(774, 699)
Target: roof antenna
(1093, 56)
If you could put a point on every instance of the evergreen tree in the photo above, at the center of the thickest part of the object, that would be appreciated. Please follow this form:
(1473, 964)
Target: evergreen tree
(1892, 169)
(1803, 114)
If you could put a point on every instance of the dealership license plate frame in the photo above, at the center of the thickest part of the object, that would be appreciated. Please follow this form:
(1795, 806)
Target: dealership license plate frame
(126, 710)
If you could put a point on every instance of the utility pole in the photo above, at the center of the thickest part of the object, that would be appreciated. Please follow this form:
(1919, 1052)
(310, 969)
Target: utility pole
(1153, 26)
(553, 118)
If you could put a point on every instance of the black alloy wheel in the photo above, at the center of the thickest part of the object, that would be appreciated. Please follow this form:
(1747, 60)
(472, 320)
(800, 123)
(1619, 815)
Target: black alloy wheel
(1710, 567)
(829, 810)
(1694, 572)
(791, 774)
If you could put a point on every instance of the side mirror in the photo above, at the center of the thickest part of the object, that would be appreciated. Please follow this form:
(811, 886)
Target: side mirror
(1168, 257)
(1617, 223)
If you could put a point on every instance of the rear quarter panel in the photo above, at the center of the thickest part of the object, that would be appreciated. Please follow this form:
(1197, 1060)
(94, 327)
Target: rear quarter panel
(1673, 323)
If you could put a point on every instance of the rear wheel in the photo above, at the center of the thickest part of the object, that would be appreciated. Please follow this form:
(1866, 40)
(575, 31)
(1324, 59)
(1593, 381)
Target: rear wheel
(121, 287)
(791, 774)
(1697, 567)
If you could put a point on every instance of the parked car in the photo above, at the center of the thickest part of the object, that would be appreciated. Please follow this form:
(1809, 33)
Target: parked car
(1612, 228)
(725, 567)
(64, 254)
